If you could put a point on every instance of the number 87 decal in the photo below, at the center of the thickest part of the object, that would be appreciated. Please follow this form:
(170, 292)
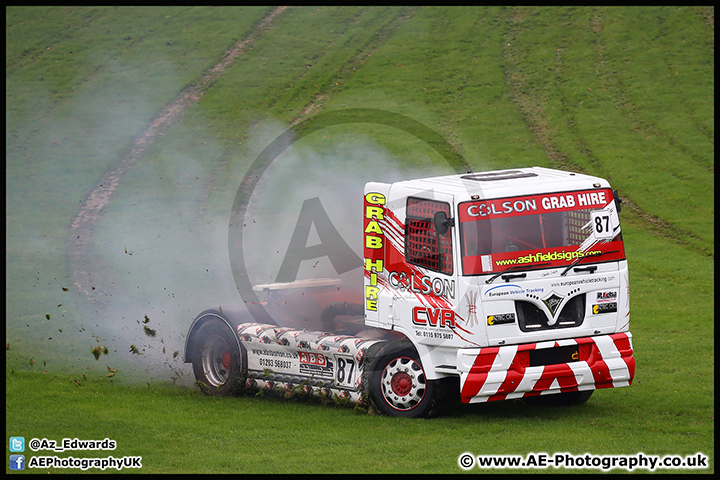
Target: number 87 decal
(602, 224)
(345, 371)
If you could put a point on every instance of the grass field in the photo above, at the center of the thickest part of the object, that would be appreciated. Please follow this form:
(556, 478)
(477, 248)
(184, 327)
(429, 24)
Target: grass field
(623, 93)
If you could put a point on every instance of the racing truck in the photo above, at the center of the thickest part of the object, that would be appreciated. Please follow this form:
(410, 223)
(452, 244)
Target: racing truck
(499, 285)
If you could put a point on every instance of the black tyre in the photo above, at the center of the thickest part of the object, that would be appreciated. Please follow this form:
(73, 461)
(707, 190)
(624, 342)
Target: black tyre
(218, 360)
(559, 399)
(398, 385)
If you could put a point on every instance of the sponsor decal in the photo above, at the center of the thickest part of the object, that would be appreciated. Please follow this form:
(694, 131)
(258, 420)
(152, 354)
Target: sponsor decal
(470, 299)
(510, 289)
(501, 318)
(315, 364)
(434, 317)
(310, 358)
(565, 254)
(374, 247)
(604, 308)
(608, 296)
(557, 202)
(553, 302)
(439, 287)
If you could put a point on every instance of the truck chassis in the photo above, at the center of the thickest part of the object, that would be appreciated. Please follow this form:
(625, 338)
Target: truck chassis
(387, 373)
(231, 359)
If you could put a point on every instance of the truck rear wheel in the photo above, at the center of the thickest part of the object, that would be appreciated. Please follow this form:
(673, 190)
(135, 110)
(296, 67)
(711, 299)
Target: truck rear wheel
(398, 385)
(217, 359)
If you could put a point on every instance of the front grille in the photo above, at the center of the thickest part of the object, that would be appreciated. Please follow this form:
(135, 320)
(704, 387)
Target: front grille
(573, 313)
(532, 319)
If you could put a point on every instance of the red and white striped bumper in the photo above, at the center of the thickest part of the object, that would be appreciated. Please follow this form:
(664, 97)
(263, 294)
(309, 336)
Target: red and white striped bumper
(512, 371)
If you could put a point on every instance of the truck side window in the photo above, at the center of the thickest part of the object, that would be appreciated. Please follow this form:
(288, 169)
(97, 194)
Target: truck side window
(423, 246)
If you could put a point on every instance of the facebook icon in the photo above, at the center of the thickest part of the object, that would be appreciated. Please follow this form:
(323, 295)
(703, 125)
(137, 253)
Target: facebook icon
(17, 462)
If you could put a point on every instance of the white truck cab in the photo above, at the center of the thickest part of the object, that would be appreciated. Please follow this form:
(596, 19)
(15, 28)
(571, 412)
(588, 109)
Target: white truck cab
(496, 285)
(515, 280)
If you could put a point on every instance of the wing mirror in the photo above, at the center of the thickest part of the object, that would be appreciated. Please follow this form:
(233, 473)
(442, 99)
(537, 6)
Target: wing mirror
(442, 222)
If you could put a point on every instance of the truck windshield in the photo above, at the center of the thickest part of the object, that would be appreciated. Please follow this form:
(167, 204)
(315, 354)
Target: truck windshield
(543, 231)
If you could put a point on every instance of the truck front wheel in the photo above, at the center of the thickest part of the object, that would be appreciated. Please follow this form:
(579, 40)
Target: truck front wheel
(217, 361)
(398, 385)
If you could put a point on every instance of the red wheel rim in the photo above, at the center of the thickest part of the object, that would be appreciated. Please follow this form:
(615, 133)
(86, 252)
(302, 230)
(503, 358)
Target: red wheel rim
(226, 360)
(401, 384)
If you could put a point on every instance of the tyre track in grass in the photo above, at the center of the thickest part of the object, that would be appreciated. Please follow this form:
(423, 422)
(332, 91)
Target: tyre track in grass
(348, 70)
(613, 85)
(541, 127)
(93, 208)
(335, 83)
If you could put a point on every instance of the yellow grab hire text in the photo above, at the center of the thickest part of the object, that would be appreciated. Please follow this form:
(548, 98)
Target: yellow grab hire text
(374, 238)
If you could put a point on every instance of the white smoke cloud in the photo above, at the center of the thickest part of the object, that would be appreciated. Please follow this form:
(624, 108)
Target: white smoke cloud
(336, 174)
(160, 249)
